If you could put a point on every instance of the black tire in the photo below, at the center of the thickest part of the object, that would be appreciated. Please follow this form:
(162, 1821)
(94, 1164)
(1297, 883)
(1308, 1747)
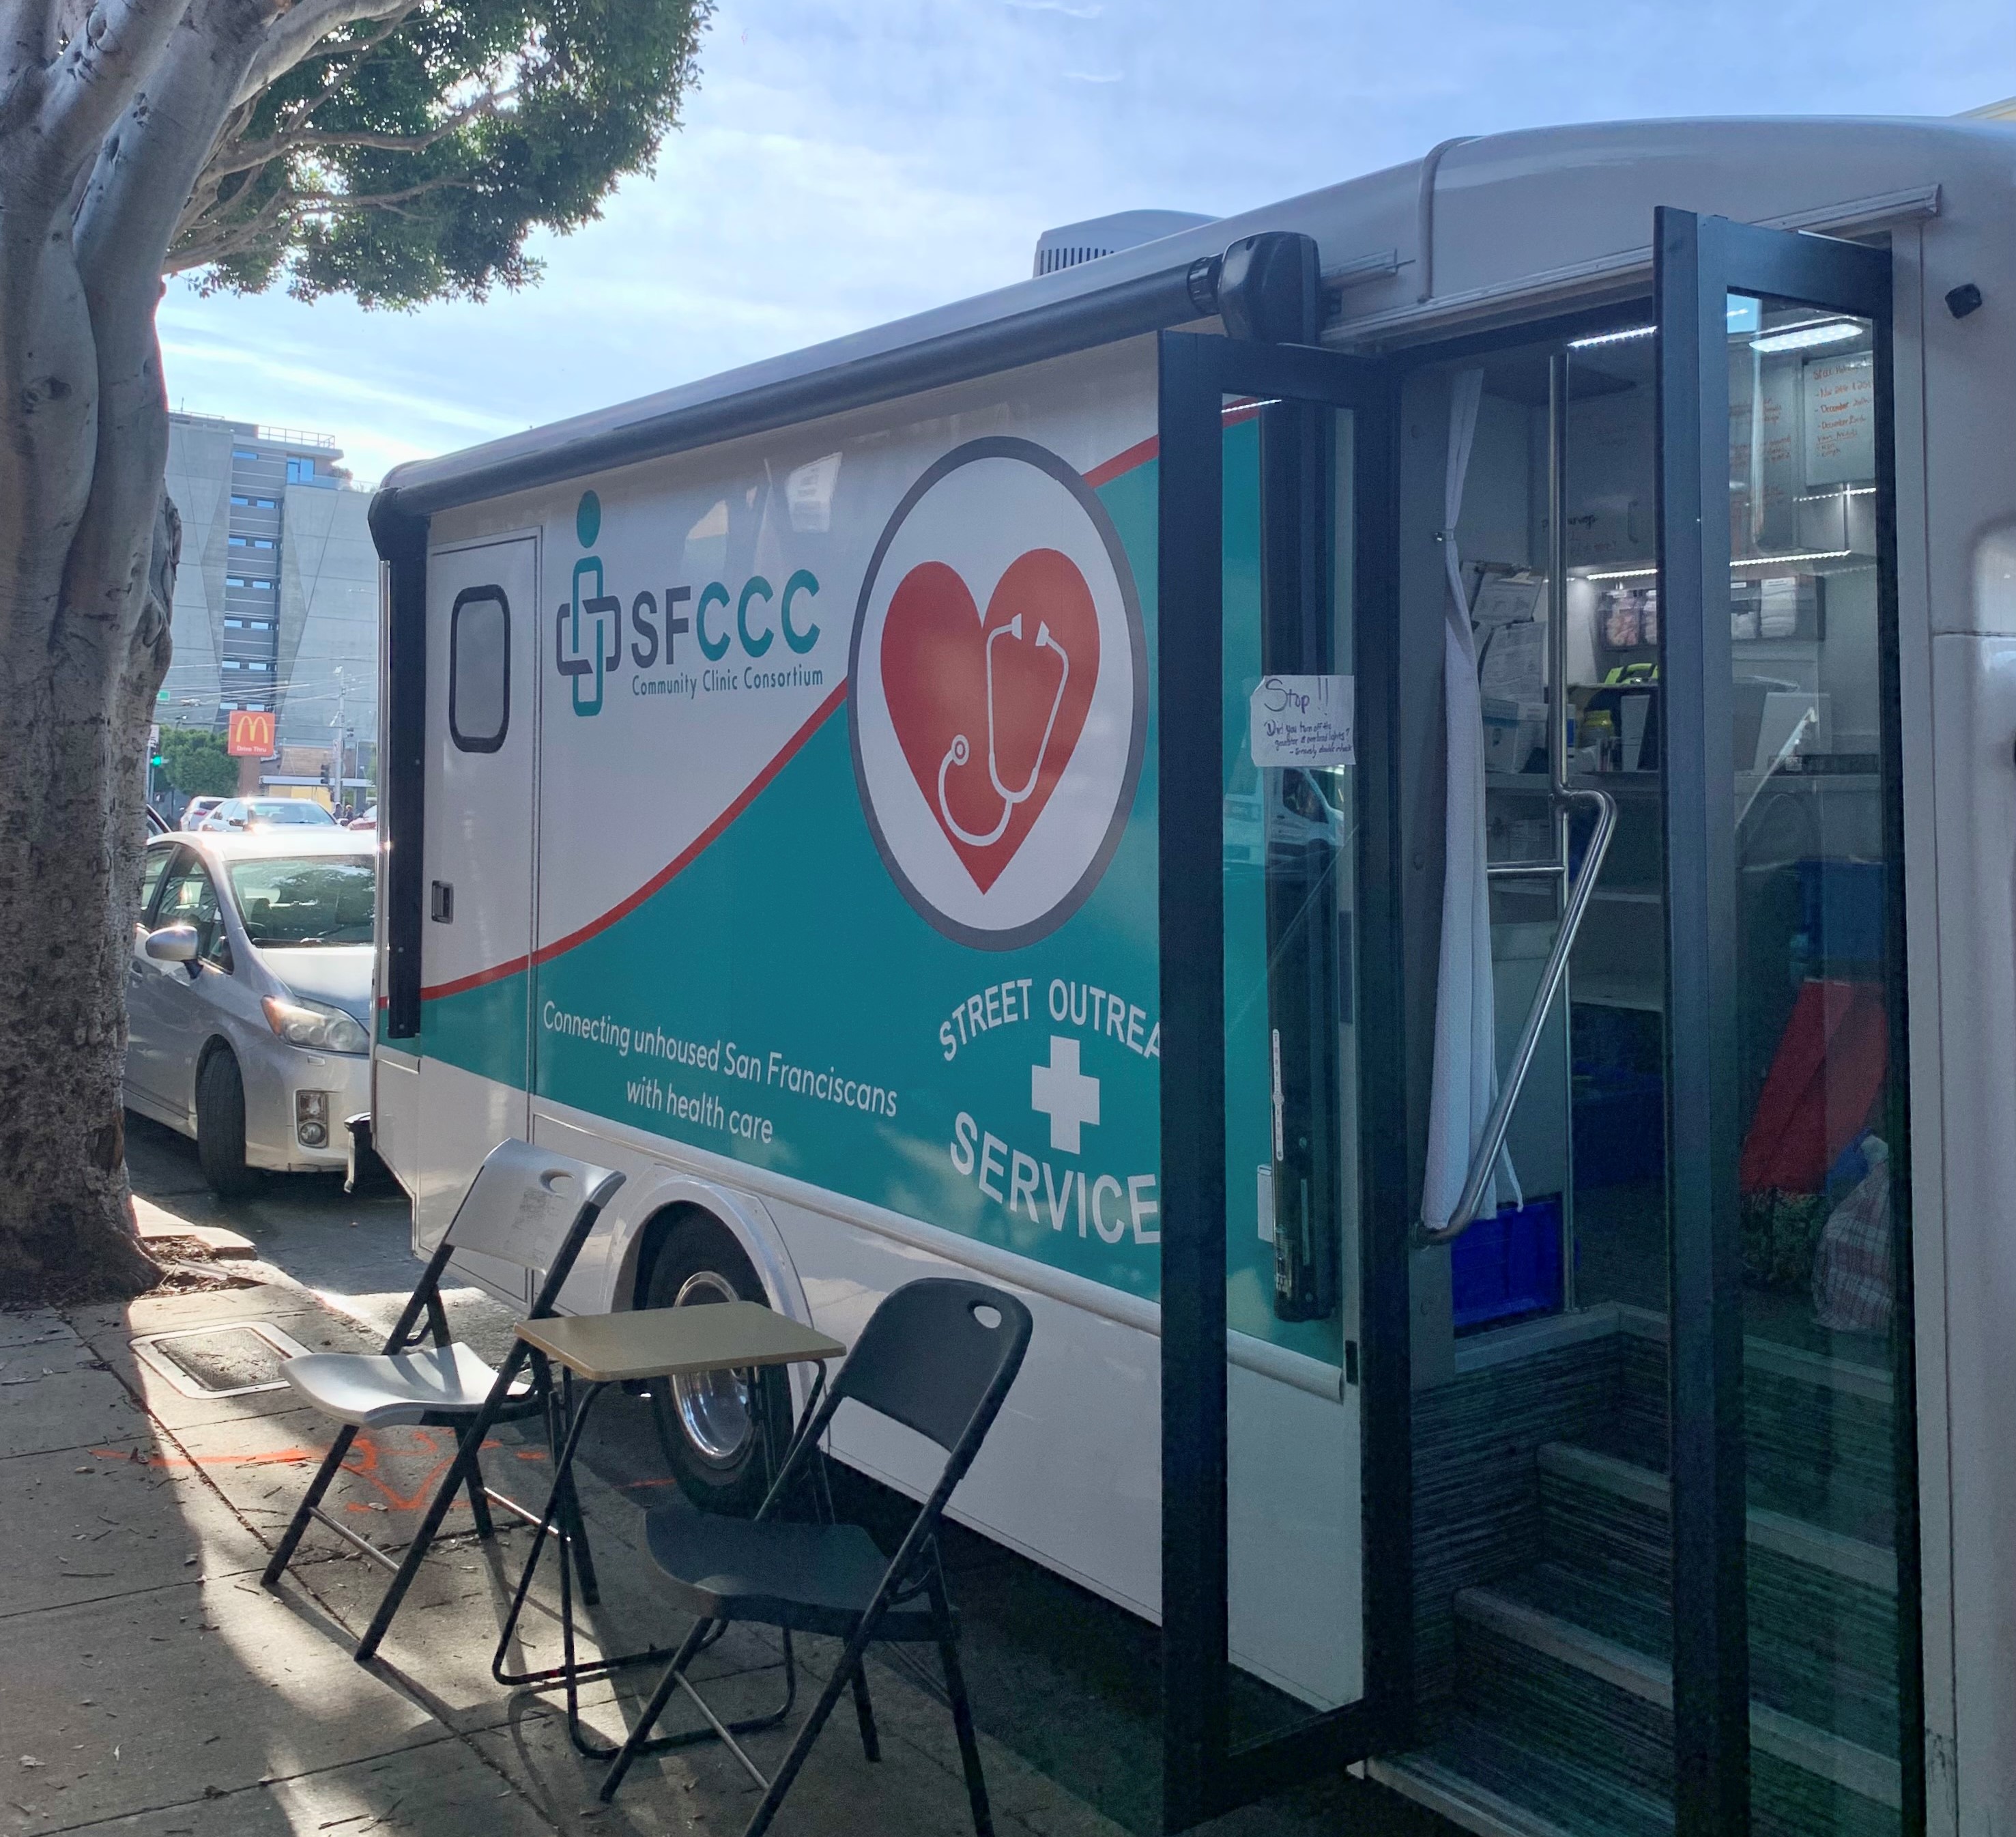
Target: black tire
(220, 1127)
(709, 1432)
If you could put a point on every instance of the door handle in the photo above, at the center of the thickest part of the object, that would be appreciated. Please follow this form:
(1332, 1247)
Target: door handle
(440, 902)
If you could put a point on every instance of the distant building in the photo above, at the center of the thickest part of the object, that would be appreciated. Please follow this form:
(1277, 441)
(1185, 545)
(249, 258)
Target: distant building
(276, 602)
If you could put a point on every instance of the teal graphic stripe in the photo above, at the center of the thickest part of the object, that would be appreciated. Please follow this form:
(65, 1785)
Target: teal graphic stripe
(778, 1001)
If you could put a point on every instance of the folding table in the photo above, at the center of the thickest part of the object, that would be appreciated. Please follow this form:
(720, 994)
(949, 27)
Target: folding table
(605, 1350)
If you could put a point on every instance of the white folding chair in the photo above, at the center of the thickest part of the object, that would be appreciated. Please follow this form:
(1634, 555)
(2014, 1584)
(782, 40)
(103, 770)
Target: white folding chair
(526, 1206)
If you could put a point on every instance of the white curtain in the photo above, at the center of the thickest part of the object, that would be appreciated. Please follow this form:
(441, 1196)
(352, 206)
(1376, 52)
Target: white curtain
(1466, 1069)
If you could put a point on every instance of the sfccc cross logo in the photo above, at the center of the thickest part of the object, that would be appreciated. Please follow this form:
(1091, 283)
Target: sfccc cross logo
(588, 632)
(998, 685)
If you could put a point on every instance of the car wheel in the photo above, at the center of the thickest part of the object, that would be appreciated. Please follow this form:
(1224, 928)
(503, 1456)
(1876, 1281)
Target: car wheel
(711, 1426)
(220, 1127)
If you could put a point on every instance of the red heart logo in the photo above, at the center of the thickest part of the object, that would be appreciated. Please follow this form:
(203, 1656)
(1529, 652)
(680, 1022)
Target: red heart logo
(988, 711)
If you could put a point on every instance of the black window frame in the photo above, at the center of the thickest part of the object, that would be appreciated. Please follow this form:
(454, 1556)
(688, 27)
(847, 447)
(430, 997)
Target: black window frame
(214, 949)
(165, 852)
(1206, 1770)
(1699, 260)
(466, 743)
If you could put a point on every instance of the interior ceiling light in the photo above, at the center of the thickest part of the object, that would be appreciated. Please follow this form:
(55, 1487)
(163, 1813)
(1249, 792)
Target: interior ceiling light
(1611, 337)
(1631, 574)
(1805, 337)
(1781, 560)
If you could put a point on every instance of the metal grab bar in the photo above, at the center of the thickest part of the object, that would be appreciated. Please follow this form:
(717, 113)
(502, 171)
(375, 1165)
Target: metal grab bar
(1500, 1118)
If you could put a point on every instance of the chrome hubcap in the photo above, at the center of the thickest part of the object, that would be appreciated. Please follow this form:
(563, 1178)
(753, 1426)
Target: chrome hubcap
(713, 1406)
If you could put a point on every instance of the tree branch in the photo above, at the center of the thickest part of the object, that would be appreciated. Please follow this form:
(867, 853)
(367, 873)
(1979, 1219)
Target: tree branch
(96, 80)
(143, 174)
(256, 154)
(205, 245)
(188, 233)
(359, 50)
(148, 168)
(27, 40)
(300, 29)
(335, 48)
(352, 201)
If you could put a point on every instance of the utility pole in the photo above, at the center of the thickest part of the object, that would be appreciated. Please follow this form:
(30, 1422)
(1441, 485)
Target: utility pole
(342, 735)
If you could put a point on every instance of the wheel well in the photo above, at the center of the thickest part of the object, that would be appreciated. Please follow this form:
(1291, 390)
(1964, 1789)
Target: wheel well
(657, 1232)
(211, 1047)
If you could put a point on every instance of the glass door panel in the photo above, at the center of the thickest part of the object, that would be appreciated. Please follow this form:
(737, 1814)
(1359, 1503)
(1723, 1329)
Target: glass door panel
(1292, 1572)
(1796, 1677)
(1542, 1532)
(1284, 1323)
(1611, 649)
(1820, 1103)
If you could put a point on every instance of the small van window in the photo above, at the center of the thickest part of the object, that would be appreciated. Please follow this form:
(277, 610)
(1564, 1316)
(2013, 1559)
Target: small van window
(479, 669)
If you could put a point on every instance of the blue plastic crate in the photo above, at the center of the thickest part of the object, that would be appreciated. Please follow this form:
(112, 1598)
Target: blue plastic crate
(1505, 1267)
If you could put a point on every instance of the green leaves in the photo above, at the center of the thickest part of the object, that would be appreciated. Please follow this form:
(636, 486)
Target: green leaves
(197, 766)
(408, 159)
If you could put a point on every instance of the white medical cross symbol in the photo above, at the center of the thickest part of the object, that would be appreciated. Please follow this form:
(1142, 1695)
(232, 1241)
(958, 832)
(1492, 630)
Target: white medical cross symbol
(1068, 1097)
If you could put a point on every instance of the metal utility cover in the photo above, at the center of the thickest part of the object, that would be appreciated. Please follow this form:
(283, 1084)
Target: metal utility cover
(232, 1359)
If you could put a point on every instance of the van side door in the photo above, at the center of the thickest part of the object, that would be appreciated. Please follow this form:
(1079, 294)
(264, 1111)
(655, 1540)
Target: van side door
(477, 864)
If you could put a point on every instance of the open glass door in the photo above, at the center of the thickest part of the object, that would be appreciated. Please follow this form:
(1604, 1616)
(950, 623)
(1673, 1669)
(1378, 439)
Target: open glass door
(1796, 1668)
(1286, 1528)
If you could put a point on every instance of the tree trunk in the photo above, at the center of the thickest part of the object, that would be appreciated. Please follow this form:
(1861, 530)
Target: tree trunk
(72, 784)
(102, 137)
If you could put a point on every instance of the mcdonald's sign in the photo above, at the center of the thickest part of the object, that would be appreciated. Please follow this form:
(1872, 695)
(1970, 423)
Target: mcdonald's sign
(250, 735)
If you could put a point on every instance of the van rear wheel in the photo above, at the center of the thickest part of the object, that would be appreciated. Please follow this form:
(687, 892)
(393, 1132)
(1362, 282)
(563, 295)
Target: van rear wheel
(711, 1426)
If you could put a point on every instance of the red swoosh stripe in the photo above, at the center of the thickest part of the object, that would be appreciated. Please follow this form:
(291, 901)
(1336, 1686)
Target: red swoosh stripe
(1139, 454)
(679, 863)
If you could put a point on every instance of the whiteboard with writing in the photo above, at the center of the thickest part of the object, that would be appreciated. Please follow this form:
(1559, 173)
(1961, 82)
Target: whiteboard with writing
(1303, 721)
(1841, 418)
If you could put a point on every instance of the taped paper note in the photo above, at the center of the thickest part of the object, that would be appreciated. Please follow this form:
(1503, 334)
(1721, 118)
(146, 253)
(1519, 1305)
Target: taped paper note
(1302, 720)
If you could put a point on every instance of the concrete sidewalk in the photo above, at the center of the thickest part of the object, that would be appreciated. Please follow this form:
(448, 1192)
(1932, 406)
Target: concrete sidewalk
(148, 1684)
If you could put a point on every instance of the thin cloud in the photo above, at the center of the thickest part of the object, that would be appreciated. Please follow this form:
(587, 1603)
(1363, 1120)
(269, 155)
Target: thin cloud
(852, 161)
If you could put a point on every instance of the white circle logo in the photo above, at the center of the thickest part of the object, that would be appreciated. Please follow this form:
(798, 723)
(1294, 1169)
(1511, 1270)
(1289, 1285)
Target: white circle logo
(998, 685)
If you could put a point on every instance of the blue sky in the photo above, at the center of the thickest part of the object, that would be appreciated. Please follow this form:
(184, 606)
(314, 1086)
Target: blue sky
(845, 162)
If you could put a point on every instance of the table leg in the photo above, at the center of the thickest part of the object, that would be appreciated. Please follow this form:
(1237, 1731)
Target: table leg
(572, 1672)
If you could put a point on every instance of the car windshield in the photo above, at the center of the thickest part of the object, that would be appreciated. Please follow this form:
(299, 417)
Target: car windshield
(304, 900)
(290, 810)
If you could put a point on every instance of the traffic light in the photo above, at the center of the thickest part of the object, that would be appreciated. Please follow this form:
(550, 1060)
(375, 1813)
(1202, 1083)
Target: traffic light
(325, 775)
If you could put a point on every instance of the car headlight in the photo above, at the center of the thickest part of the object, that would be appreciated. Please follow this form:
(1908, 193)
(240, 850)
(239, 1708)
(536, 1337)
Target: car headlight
(310, 1023)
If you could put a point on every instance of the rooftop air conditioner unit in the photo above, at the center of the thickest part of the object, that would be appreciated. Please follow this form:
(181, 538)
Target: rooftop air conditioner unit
(1074, 243)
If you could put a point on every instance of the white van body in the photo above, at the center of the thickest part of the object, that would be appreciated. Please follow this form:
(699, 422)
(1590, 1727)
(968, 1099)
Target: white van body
(577, 819)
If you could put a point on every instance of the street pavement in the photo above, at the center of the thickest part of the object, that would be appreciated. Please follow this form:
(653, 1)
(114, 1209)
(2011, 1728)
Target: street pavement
(149, 1684)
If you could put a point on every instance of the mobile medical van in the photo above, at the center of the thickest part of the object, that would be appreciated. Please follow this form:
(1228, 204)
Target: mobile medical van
(1400, 810)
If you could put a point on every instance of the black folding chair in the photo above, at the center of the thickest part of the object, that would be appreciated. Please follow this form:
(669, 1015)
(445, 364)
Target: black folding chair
(526, 1206)
(937, 1355)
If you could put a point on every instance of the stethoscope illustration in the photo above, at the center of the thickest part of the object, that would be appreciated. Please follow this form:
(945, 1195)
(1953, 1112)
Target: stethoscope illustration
(961, 749)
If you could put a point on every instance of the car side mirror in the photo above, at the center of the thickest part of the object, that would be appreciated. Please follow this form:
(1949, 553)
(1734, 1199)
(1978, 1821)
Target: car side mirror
(173, 944)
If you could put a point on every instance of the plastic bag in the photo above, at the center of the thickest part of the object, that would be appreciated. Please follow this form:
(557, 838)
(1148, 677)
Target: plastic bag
(1854, 1282)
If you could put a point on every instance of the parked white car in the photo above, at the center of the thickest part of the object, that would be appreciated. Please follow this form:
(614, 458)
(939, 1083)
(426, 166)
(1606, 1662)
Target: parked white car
(248, 997)
(261, 813)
